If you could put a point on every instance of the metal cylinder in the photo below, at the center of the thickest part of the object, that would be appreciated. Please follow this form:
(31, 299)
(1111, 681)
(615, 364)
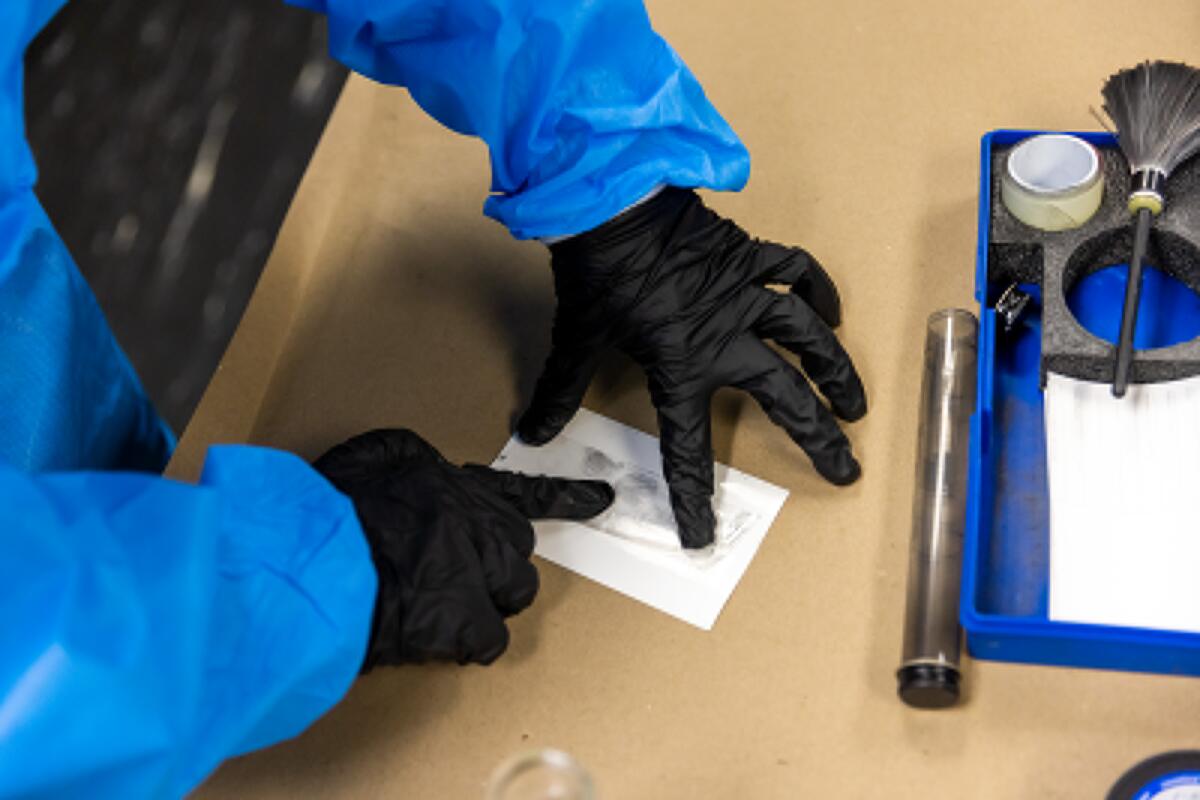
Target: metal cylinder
(929, 669)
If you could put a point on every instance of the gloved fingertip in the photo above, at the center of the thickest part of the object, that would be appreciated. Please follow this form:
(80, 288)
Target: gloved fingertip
(519, 601)
(482, 644)
(839, 467)
(538, 429)
(563, 498)
(520, 593)
(851, 408)
(589, 498)
(819, 291)
(697, 524)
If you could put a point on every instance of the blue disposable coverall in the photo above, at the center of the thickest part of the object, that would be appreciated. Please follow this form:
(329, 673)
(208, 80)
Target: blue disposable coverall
(150, 628)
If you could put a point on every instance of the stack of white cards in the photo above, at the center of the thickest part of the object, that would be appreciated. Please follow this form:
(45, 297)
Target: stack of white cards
(1124, 481)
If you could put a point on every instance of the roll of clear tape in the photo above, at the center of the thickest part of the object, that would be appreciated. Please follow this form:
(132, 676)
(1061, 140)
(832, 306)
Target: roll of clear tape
(1053, 182)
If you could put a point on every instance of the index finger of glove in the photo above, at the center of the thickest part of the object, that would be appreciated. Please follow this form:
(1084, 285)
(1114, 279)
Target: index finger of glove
(542, 496)
(559, 391)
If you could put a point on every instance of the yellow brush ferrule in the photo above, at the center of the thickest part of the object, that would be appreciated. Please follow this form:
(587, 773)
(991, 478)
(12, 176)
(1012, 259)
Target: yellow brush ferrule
(1148, 200)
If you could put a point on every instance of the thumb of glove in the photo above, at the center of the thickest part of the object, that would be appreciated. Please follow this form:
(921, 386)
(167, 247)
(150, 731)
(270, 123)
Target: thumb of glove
(558, 394)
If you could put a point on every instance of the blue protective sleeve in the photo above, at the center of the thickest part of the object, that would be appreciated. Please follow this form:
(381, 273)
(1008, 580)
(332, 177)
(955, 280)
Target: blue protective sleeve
(152, 628)
(20, 21)
(148, 629)
(68, 397)
(583, 107)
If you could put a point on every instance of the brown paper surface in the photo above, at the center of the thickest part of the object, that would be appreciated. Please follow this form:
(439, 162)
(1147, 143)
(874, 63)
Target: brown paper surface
(390, 300)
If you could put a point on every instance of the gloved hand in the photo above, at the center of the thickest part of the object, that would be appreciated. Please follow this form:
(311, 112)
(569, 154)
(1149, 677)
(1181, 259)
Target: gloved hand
(451, 544)
(683, 292)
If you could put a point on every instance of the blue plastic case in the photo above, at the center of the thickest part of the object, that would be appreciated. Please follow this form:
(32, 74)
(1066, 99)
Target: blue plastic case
(1006, 549)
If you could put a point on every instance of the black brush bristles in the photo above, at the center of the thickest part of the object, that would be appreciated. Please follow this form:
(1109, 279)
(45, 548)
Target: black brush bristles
(1155, 107)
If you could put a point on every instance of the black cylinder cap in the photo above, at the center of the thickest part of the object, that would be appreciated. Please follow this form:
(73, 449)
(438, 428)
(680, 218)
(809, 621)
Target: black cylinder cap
(928, 685)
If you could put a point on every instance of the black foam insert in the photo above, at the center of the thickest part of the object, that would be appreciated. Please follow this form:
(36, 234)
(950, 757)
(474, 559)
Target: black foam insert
(1057, 260)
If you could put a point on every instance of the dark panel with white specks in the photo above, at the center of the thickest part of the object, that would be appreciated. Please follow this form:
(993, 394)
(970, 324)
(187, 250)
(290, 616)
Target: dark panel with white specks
(170, 137)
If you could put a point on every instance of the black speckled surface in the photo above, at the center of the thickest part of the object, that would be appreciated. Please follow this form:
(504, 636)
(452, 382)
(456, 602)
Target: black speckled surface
(1057, 260)
(170, 138)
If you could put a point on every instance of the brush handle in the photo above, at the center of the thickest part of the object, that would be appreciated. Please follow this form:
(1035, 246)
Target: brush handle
(1133, 293)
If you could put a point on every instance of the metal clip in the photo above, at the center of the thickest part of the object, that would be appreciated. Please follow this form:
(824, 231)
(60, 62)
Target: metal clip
(1010, 306)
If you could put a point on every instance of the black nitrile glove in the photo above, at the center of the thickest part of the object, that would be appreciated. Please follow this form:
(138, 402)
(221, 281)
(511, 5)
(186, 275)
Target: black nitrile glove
(451, 544)
(683, 291)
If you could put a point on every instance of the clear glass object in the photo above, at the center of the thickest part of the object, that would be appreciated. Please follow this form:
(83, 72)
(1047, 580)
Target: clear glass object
(929, 670)
(541, 775)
